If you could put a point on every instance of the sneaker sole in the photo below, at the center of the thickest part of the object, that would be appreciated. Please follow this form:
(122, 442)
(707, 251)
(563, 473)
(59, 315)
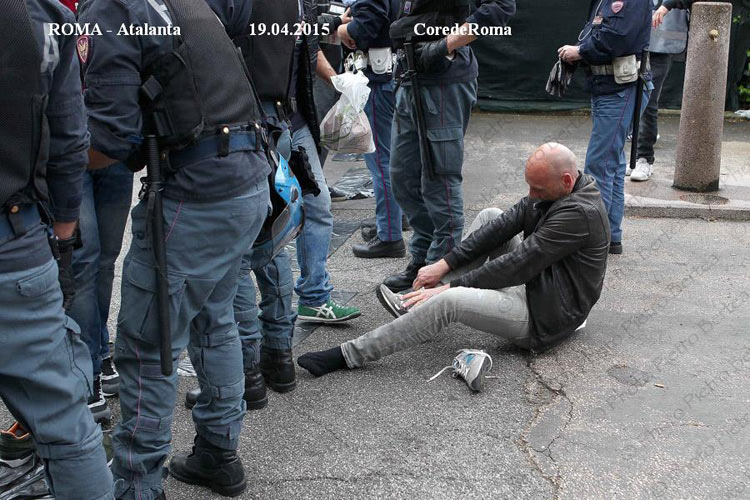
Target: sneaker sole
(102, 417)
(14, 463)
(637, 179)
(478, 383)
(109, 391)
(233, 490)
(385, 302)
(315, 319)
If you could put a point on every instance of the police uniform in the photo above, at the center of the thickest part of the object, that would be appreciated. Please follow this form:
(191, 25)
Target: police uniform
(434, 203)
(369, 28)
(191, 90)
(615, 28)
(45, 370)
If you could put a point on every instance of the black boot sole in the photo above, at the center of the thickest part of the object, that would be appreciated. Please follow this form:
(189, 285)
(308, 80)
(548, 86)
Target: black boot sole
(233, 490)
(394, 254)
(281, 388)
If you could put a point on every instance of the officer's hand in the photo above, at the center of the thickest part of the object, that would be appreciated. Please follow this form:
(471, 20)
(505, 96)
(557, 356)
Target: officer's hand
(431, 56)
(346, 16)
(658, 16)
(569, 53)
(430, 276)
(347, 40)
(65, 270)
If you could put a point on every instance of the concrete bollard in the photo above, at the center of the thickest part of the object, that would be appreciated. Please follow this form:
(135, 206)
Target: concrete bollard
(702, 118)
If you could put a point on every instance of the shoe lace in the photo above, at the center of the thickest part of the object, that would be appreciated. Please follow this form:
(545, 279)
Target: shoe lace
(460, 366)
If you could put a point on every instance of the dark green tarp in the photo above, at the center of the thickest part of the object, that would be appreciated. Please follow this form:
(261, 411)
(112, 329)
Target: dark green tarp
(513, 70)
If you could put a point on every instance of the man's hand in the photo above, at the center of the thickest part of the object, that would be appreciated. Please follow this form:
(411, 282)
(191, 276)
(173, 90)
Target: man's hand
(431, 56)
(422, 295)
(347, 40)
(658, 16)
(430, 276)
(569, 53)
(346, 16)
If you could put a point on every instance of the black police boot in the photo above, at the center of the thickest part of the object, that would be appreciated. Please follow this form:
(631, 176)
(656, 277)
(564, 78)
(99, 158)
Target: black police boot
(255, 392)
(403, 280)
(212, 467)
(375, 248)
(277, 367)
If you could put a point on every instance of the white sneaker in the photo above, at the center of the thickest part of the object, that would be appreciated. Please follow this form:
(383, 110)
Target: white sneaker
(628, 170)
(185, 368)
(642, 171)
(472, 365)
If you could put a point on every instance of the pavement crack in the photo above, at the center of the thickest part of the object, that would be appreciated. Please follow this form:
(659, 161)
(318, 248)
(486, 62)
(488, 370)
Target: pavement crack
(535, 453)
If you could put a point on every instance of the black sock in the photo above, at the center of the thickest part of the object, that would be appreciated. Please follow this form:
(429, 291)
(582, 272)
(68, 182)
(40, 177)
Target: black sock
(321, 362)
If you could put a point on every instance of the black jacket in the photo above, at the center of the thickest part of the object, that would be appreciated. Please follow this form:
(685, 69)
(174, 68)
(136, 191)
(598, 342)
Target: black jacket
(562, 259)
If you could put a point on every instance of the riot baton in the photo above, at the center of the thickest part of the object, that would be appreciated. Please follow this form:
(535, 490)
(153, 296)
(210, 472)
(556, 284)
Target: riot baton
(416, 90)
(156, 219)
(636, 120)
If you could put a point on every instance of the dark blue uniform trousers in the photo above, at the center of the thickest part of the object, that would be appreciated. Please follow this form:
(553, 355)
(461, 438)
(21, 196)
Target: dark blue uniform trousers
(434, 206)
(205, 244)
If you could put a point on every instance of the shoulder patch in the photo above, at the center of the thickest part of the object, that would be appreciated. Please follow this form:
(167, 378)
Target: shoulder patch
(82, 47)
(617, 6)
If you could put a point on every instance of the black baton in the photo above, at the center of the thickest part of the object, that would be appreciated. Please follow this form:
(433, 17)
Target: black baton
(636, 120)
(156, 219)
(424, 145)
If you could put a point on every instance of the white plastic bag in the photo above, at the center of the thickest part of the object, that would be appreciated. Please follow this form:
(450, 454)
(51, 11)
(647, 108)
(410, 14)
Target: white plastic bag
(345, 127)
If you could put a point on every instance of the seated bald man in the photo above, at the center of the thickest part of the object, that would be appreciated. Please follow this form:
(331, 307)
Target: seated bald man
(534, 292)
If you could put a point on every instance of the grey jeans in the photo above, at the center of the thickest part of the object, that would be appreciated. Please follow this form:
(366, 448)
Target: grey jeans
(501, 312)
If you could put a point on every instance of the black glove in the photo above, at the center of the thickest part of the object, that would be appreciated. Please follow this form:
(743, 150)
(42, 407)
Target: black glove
(302, 170)
(63, 253)
(432, 57)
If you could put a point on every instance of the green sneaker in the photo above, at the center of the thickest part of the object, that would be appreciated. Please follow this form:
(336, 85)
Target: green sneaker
(330, 312)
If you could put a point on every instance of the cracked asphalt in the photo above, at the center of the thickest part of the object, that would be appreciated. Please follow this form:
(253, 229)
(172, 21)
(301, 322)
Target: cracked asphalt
(650, 400)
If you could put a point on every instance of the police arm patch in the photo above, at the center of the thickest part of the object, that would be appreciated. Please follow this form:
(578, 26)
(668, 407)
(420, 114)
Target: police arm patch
(82, 47)
(617, 6)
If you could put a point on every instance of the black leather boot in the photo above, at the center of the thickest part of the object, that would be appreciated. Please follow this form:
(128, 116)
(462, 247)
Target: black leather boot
(255, 392)
(277, 367)
(403, 280)
(212, 467)
(375, 248)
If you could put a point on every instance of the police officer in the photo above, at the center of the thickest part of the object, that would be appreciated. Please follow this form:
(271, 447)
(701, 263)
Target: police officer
(368, 31)
(45, 369)
(668, 39)
(447, 72)
(190, 89)
(612, 47)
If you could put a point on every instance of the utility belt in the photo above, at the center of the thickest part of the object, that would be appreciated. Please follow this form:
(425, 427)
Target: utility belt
(380, 60)
(228, 140)
(17, 219)
(285, 108)
(625, 69)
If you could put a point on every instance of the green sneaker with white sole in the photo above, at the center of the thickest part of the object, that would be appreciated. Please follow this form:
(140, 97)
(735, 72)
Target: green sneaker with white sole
(330, 312)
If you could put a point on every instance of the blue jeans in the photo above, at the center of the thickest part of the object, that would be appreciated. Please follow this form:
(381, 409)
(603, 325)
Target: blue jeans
(379, 110)
(314, 284)
(612, 115)
(45, 381)
(434, 205)
(107, 194)
(205, 243)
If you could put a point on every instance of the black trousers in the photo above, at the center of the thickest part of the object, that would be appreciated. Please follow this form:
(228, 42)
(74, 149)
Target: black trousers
(648, 129)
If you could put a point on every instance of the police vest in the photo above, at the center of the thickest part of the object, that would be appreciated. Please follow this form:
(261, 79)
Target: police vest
(268, 57)
(438, 13)
(202, 86)
(24, 135)
(671, 35)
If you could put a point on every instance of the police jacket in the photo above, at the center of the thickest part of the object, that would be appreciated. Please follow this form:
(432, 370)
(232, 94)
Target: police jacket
(51, 75)
(136, 37)
(562, 259)
(369, 27)
(615, 28)
(463, 67)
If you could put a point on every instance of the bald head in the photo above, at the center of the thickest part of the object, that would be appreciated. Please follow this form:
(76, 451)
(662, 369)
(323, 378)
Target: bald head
(551, 171)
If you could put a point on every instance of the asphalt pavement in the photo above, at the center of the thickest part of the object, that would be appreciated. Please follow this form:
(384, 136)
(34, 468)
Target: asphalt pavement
(650, 400)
